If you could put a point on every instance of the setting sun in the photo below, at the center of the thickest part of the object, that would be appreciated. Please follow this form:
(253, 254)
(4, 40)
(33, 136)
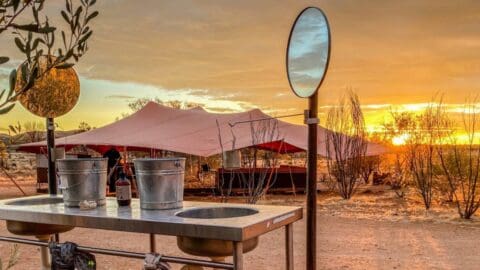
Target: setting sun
(400, 139)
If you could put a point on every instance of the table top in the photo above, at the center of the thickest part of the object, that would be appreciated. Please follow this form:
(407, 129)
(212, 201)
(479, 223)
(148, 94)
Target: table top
(134, 219)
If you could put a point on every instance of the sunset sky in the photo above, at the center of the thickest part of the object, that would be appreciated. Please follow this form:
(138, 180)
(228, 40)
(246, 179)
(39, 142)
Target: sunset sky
(230, 56)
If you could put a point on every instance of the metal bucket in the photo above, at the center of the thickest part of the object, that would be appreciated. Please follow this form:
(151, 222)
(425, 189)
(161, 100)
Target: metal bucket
(160, 182)
(83, 179)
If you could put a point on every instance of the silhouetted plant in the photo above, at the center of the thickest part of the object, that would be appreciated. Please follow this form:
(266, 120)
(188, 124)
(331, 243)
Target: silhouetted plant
(369, 165)
(84, 126)
(257, 182)
(36, 38)
(346, 144)
(421, 150)
(139, 103)
(400, 127)
(461, 163)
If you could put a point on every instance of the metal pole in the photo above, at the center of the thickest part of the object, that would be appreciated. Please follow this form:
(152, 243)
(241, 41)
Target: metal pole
(238, 255)
(289, 246)
(312, 122)
(52, 176)
(153, 245)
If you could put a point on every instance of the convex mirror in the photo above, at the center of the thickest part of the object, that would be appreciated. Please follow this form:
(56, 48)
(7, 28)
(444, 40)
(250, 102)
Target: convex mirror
(53, 94)
(308, 52)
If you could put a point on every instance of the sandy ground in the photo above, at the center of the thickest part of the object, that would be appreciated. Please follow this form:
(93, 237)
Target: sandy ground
(374, 230)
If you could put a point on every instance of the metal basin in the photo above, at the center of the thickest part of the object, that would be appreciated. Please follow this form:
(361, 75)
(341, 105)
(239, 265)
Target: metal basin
(215, 249)
(217, 212)
(35, 229)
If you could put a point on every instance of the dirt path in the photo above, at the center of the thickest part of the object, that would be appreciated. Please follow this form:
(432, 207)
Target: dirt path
(343, 243)
(374, 231)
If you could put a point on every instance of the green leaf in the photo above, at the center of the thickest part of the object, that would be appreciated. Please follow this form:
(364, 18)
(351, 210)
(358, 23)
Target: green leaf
(19, 44)
(35, 14)
(68, 54)
(7, 108)
(24, 73)
(64, 39)
(91, 16)
(85, 37)
(52, 41)
(78, 11)
(65, 16)
(46, 29)
(64, 65)
(12, 82)
(39, 53)
(2, 93)
(85, 30)
(27, 27)
(35, 73)
(3, 59)
(16, 3)
(30, 84)
(35, 43)
(69, 7)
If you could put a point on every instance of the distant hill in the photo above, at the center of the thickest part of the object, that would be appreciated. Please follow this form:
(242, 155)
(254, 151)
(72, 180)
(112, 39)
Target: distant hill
(28, 137)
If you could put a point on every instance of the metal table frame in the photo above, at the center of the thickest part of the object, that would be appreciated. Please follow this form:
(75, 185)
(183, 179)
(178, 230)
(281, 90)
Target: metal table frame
(162, 222)
(237, 254)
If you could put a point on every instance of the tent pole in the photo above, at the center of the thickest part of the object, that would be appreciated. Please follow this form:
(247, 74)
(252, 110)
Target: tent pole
(52, 176)
(312, 122)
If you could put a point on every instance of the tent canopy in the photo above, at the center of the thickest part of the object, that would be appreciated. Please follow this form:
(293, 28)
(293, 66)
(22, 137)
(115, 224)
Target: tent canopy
(196, 132)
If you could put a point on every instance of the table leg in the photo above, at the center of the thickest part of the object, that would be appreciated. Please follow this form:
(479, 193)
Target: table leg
(153, 244)
(289, 246)
(238, 255)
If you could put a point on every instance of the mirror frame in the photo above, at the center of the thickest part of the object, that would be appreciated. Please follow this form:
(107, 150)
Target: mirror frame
(328, 54)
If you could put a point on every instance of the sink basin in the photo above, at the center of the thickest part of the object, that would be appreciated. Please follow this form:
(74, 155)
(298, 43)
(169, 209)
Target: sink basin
(35, 229)
(36, 201)
(217, 250)
(217, 212)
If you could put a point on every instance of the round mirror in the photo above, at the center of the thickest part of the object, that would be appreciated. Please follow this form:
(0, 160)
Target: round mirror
(52, 95)
(308, 52)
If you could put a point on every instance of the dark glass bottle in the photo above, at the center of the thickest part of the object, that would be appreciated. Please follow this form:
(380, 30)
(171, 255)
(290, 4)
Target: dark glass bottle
(123, 190)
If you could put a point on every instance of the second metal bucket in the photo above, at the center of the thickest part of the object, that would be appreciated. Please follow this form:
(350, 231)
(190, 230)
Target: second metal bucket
(83, 179)
(160, 182)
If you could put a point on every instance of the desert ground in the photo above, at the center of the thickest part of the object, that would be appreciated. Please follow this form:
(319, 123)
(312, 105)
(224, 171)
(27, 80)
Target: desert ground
(373, 230)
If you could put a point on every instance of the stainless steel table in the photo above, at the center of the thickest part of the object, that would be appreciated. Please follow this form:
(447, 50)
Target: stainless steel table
(165, 222)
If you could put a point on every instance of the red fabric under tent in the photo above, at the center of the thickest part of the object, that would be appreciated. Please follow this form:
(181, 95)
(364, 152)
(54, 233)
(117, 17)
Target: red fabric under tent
(194, 131)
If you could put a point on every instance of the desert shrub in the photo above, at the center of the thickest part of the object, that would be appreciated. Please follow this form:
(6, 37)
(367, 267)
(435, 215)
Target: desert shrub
(421, 151)
(461, 163)
(398, 175)
(346, 144)
(368, 166)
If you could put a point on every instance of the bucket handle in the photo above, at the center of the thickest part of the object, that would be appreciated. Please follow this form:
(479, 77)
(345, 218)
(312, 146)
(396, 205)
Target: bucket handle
(177, 163)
